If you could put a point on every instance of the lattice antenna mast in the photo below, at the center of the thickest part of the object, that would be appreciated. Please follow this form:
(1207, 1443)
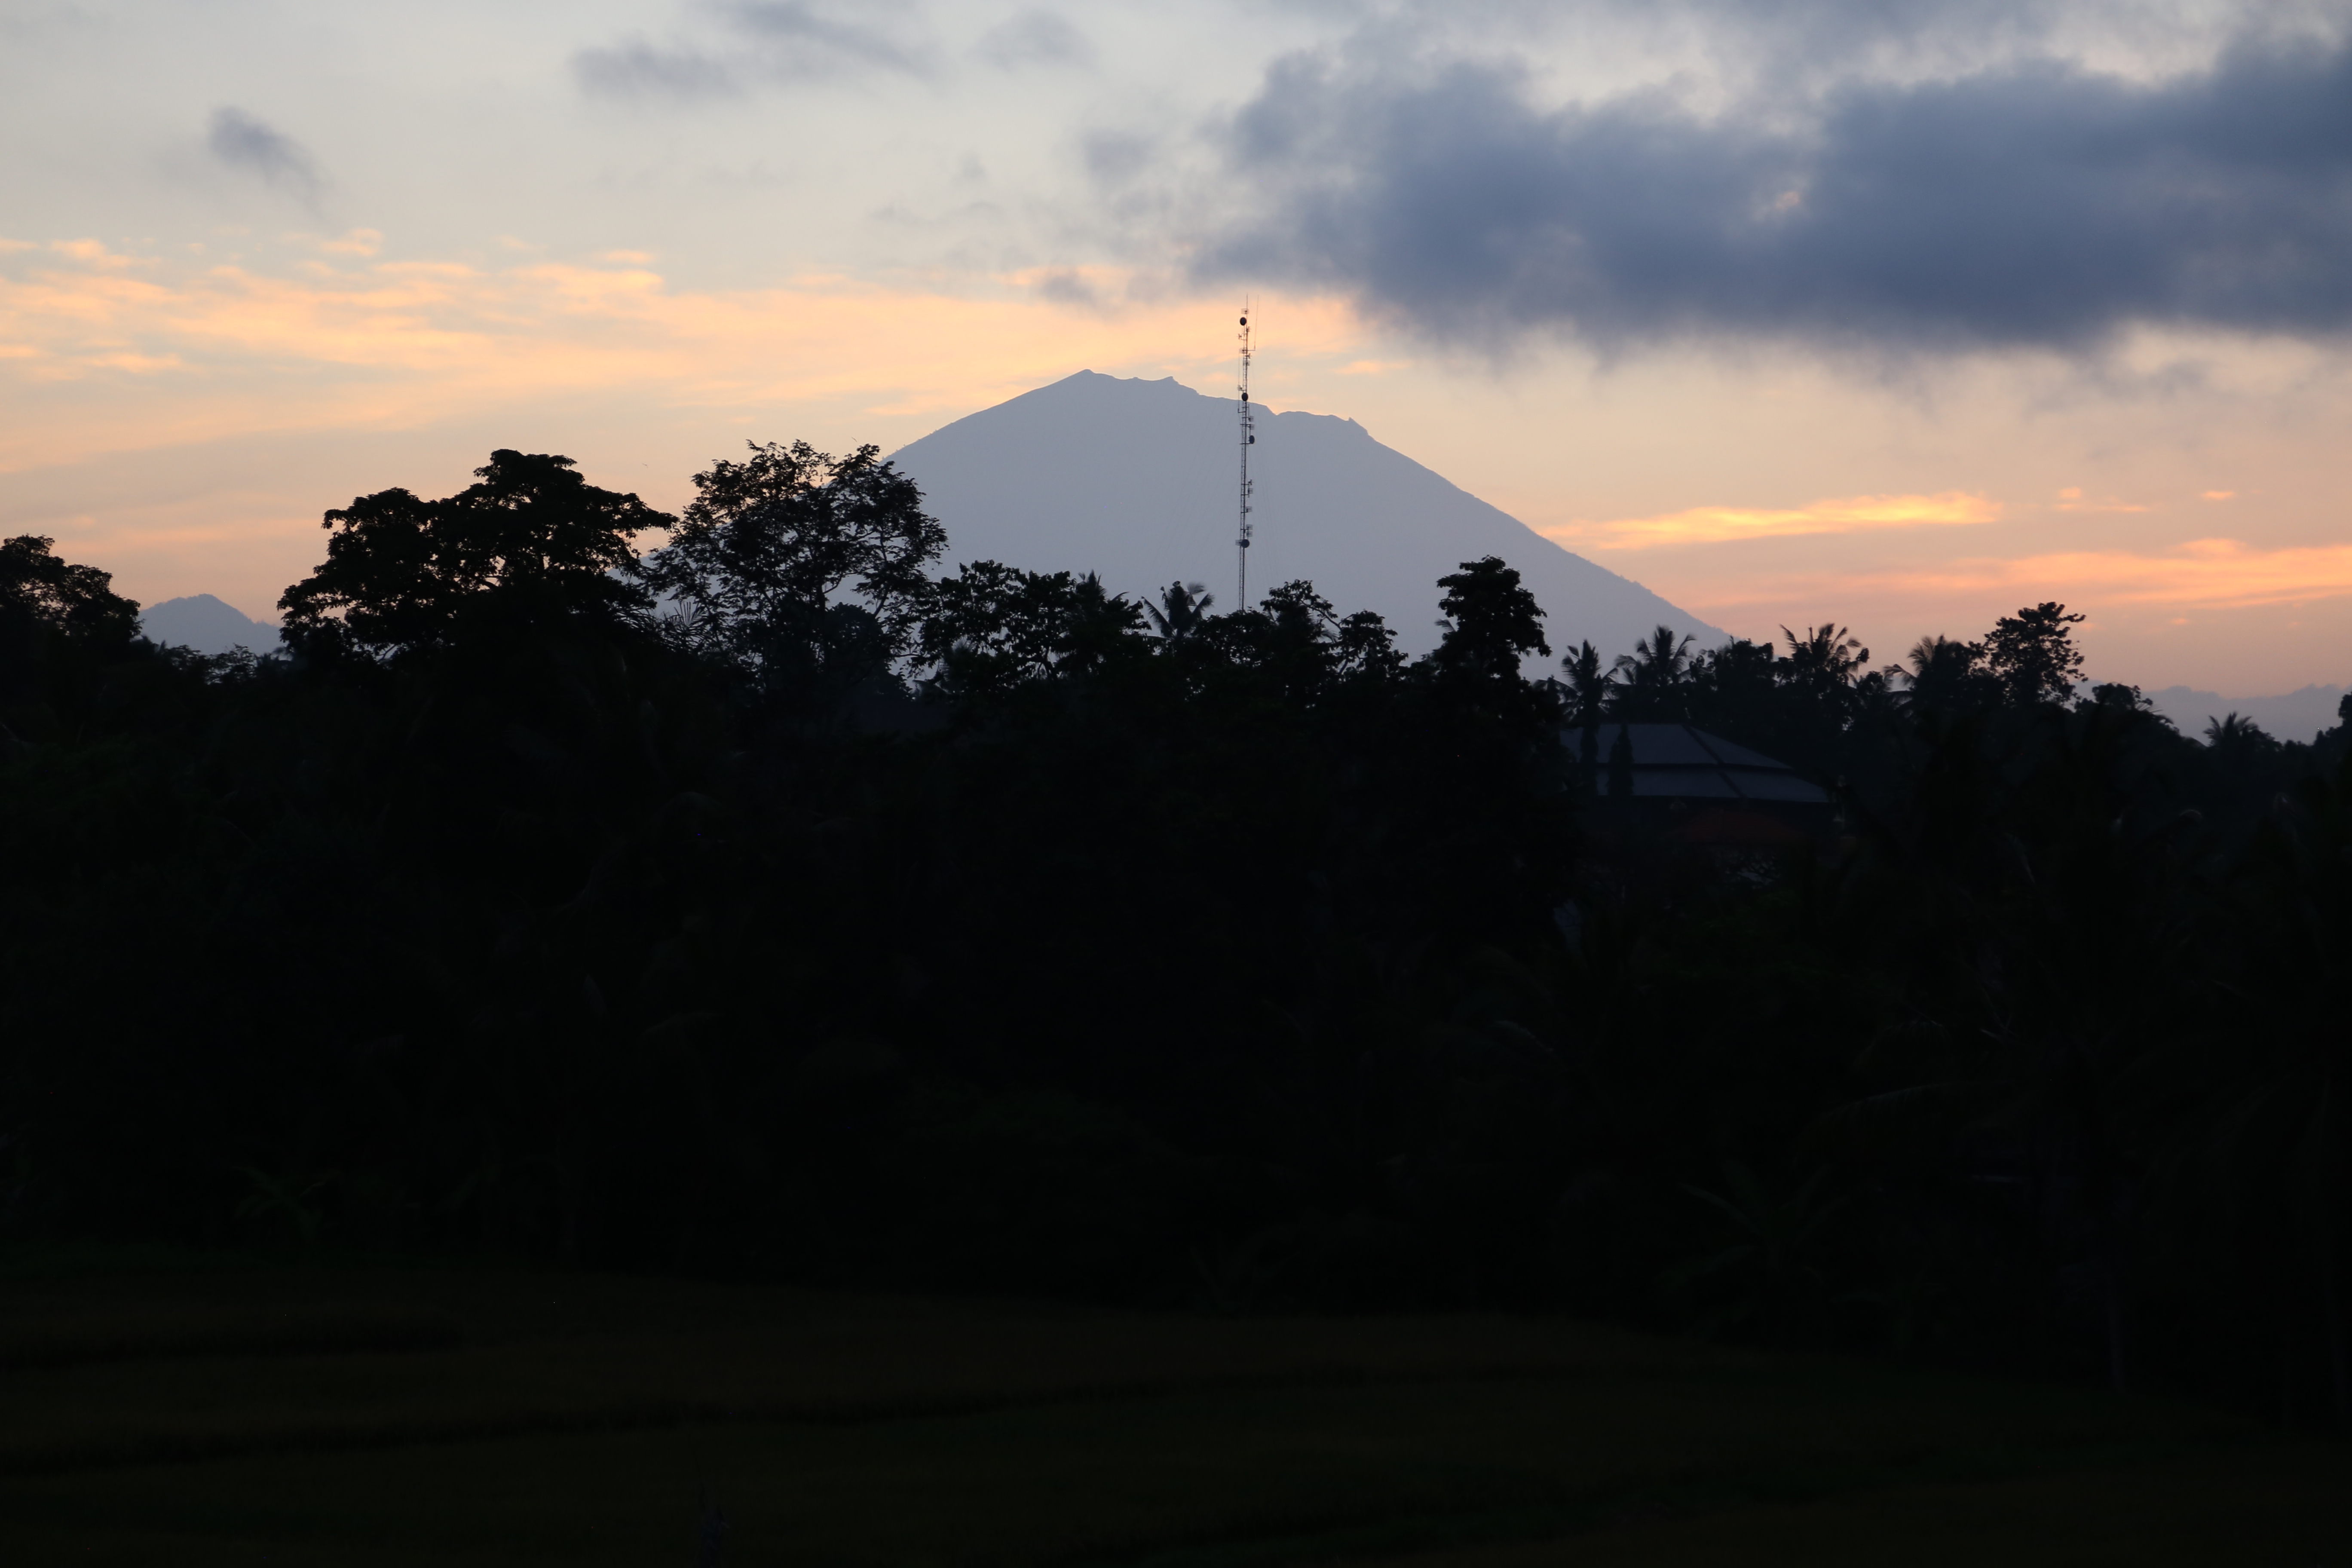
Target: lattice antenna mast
(1249, 439)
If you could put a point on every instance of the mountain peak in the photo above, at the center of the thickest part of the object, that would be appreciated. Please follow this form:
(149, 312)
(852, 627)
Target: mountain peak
(1139, 481)
(206, 624)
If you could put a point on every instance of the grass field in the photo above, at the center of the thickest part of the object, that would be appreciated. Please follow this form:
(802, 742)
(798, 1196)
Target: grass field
(182, 1411)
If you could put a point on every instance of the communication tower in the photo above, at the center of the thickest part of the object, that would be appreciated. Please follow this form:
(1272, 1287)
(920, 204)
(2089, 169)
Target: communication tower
(1249, 439)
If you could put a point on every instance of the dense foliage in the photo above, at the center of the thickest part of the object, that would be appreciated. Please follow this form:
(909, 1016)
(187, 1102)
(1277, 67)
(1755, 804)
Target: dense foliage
(770, 904)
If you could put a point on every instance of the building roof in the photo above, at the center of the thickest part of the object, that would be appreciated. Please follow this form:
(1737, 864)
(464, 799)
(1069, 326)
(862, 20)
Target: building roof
(1675, 762)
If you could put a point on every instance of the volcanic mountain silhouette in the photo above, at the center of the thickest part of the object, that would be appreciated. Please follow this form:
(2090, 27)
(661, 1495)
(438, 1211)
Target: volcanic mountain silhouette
(207, 624)
(1138, 480)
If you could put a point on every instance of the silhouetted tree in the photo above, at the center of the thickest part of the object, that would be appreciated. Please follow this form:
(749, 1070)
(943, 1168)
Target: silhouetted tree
(2033, 654)
(1589, 685)
(992, 628)
(1491, 624)
(1181, 608)
(37, 588)
(532, 541)
(1944, 676)
(1365, 648)
(550, 939)
(804, 571)
(2275, 1140)
(65, 636)
(1653, 677)
(1826, 660)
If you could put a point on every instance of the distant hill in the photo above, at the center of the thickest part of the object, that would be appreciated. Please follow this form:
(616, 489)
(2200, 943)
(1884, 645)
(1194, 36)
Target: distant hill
(1138, 480)
(207, 624)
(2297, 716)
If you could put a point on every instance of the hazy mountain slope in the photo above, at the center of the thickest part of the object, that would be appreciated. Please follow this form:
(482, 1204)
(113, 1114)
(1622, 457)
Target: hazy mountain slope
(207, 624)
(2293, 716)
(1137, 479)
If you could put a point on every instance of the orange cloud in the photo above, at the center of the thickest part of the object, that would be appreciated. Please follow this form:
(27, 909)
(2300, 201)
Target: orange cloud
(2213, 573)
(93, 253)
(2208, 573)
(2070, 500)
(1716, 524)
(233, 350)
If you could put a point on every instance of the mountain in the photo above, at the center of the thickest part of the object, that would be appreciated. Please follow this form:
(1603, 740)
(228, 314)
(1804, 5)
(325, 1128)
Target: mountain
(207, 624)
(1138, 482)
(2297, 716)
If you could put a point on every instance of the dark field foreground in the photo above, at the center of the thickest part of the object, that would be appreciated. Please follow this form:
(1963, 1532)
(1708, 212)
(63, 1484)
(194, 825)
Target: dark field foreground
(191, 1414)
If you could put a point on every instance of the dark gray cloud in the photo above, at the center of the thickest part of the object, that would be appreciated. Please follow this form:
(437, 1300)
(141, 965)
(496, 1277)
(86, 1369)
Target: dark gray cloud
(244, 144)
(2034, 203)
(764, 41)
(1036, 39)
(1065, 286)
(806, 35)
(1115, 157)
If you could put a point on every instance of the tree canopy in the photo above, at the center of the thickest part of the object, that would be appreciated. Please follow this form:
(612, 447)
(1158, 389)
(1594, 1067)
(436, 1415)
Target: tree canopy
(778, 905)
(37, 588)
(532, 540)
(794, 563)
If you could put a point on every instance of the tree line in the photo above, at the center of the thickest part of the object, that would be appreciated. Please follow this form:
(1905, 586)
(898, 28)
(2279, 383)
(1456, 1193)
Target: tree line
(770, 903)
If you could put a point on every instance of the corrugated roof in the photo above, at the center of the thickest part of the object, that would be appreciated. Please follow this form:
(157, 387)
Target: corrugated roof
(1675, 761)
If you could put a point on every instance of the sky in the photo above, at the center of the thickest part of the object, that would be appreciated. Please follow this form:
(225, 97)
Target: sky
(1895, 313)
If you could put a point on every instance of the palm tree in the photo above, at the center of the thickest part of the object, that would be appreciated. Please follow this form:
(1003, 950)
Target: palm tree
(1655, 674)
(1589, 685)
(1930, 655)
(1828, 655)
(1182, 609)
(1941, 673)
(2234, 737)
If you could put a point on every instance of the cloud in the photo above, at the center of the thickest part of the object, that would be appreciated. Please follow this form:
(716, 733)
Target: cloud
(2215, 573)
(1065, 286)
(767, 41)
(2204, 573)
(2036, 204)
(1115, 157)
(636, 69)
(129, 352)
(2072, 499)
(1034, 37)
(1718, 524)
(822, 43)
(244, 142)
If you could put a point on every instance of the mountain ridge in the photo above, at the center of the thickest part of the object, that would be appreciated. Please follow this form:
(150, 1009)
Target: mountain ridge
(206, 624)
(2290, 716)
(1143, 488)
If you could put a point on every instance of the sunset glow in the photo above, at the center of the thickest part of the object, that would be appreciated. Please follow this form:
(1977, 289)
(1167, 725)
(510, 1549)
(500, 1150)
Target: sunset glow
(237, 301)
(1716, 524)
(224, 349)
